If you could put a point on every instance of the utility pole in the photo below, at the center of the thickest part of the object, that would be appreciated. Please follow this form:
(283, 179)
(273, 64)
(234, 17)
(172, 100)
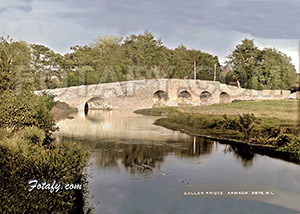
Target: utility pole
(215, 72)
(195, 70)
(299, 56)
(298, 92)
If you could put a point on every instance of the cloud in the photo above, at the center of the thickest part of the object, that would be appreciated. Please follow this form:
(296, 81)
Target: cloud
(22, 5)
(2, 9)
(214, 26)
(25, 8)
(266, 19)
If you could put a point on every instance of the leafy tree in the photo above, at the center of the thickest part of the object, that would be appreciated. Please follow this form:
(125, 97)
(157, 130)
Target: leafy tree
(245, 60)
(22, 109)
(261, 69)
(111, 59)
(279, 73)
(144, 51)
(47, 66)
(19, 106)
(14, 64)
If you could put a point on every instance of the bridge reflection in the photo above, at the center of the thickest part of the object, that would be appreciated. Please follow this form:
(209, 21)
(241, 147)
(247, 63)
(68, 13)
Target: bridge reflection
(122, 137)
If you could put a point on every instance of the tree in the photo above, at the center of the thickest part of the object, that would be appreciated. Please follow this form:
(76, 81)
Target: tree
(47, 66)
(15, 71)
(24, 108)
(261, 69)
(279, 73)
(111, 59)
(245, 61)
(19, 106)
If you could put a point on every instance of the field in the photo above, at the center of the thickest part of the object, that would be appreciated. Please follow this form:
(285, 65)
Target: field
(280, 112)
(272, 123)
(281, 109)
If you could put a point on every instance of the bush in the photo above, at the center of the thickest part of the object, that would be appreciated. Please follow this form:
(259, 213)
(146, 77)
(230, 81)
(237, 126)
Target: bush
(244, 123)
(33, 134)
(21, 161)
(26, 109)
(3, 134)
(282, 140)
(293, 146)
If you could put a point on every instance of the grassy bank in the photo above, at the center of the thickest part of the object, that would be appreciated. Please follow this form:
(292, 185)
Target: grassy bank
(271, 123)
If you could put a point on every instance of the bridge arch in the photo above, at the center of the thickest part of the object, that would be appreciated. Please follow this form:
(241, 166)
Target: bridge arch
(224, 97)
(160, 97)
(205, 97)
(184, 98)
(96, 103)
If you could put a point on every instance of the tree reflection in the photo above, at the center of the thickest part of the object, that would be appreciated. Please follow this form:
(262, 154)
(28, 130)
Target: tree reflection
(242, 152)
(139, 157)
(143, 157)
(199, 146)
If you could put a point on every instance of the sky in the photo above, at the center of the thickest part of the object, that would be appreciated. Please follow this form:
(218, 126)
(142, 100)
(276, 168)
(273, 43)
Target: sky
(213, 26)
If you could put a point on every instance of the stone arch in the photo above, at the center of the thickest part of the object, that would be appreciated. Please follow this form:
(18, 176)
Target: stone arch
(86, 108)
(224, 97)
(184, 98)
(205, 97)
(160, 97)
(96, 103)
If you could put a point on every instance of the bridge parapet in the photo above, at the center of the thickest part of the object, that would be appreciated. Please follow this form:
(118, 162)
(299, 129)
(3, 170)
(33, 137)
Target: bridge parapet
(146, 93)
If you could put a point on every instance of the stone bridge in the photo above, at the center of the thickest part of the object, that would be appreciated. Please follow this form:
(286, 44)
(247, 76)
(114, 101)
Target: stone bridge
(147, 93)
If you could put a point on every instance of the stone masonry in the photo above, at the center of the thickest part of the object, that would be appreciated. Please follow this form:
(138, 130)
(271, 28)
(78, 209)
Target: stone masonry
(146, 93)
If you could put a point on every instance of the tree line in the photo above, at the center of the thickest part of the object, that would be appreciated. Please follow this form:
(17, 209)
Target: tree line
(113, 59)
(261, 69)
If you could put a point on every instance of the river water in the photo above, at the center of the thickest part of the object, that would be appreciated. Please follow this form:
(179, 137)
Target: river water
(137, 167)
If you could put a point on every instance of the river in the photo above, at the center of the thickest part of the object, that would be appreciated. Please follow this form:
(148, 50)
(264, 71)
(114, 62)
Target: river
(137, 167)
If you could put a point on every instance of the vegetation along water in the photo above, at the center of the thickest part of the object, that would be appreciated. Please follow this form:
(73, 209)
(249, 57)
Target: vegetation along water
(29, 151)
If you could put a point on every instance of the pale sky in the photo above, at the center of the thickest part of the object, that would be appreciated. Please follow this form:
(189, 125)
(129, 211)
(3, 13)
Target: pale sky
(213, 26)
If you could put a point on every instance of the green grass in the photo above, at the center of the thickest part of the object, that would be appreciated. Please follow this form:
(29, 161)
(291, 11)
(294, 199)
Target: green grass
(274, 122)
(271, 112)
(281, 109)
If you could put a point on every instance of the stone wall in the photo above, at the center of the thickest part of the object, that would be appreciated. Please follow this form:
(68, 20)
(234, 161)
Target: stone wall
(146, 93)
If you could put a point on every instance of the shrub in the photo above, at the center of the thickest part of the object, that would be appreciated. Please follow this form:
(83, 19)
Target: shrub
(25, 109)
(21, 161)
(33, 134)
(293, 146)
(282, 139)
(246, 122)
(229, 123)
(3, 134)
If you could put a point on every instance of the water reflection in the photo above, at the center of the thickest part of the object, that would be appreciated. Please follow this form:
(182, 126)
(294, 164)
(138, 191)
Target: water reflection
(244, 153)
(138, 167)
(141, 157)
(116, 126)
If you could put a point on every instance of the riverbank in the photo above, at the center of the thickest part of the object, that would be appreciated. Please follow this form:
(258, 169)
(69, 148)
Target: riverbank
(264, 126)
(62, 110)
(29, 153)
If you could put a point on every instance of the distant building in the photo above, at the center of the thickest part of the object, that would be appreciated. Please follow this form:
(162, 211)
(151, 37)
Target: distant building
(227, 68)
(234, 84)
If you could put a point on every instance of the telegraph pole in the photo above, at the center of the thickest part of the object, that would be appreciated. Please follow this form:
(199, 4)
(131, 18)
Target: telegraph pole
(298, 92)
(299, 56)
(215, 72)
(195, 70)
